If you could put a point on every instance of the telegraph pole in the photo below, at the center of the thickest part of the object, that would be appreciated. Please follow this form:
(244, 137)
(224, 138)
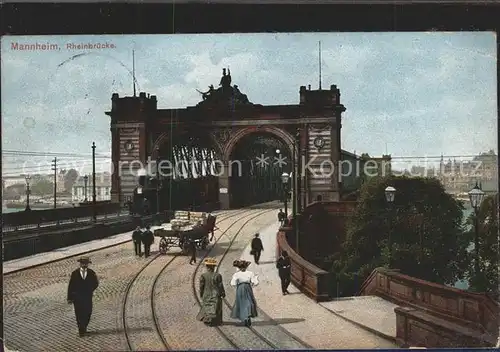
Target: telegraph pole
(94, 197)
(54, 168)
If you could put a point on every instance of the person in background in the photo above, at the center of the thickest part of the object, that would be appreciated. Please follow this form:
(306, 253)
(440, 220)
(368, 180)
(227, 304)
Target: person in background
(284, 270)
(245, 305)
(281, 216)
(257, 248)
(82, 284)
(147, 239)
(137, 238)
(192, 250)
(211, 292)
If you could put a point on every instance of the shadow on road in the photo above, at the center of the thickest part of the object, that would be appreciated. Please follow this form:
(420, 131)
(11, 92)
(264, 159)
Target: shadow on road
(275, 322)
(279, 321)
(116, 331)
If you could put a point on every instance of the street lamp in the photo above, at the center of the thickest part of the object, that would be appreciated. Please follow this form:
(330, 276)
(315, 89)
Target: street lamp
(476, 196)
(85, 180)
(284, 179)
(28, 179)
(158, 180)
(390, 193)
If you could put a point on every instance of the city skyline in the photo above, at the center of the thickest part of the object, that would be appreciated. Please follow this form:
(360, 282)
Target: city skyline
(406, 94)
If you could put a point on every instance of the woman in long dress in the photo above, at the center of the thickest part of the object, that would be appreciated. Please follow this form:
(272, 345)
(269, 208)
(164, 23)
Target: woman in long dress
(245, 306)
(211, 292)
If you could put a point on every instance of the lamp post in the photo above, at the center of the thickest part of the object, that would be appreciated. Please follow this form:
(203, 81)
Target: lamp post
(85, 181)
(476, 196)
(28, 179)
(390, 193)
(94, 195)
(158, 180)
(284, 179)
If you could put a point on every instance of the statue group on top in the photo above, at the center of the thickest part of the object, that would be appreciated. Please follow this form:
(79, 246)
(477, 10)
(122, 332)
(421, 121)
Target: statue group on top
(224, 92)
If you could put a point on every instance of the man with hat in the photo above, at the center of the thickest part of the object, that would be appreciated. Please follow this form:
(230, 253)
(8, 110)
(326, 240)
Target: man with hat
(137, 238)
(147, 239)
(257, 248)
(82, 284)
(211, 292)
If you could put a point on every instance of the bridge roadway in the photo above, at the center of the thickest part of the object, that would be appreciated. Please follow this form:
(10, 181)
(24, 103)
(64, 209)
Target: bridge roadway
(151, 304)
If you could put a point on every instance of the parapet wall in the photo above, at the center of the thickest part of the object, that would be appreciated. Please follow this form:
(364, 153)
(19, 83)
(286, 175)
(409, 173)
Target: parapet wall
(435, 315)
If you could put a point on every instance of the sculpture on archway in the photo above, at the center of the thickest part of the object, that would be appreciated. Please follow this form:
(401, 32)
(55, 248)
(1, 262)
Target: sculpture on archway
(226, 96)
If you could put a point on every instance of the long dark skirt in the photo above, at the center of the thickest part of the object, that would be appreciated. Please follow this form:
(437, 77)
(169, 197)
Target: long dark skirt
(211, 310)
(245, 306)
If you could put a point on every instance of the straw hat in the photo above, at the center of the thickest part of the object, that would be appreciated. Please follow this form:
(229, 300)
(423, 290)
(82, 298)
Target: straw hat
(84, 260)
(244, 264)
(210, 262)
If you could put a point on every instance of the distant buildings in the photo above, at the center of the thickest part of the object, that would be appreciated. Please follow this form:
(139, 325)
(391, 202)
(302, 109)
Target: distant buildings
(103, 188)
(459, 176)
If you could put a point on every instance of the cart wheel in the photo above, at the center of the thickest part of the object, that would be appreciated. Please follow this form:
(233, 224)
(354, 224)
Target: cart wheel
(163, 245)
(204, 243)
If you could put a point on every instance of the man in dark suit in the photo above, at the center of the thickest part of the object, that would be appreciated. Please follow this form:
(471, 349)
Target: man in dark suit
(257, 248)
(281, 216)
(137, 238)
(81, 288)
(284, 267)
(192, 250)
(147, 239)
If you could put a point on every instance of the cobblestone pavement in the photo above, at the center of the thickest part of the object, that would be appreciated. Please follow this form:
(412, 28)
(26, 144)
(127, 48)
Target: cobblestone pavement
(138, 315)
(299, 314)
(278, 337)
(241, 336)
(37, 317)
(178, 320)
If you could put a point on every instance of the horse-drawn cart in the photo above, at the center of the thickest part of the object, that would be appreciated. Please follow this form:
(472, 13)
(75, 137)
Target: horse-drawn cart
(185, 227)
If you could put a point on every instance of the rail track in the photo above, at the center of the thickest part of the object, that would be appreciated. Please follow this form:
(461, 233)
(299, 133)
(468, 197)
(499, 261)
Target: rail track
(222, 329)
(138, 338)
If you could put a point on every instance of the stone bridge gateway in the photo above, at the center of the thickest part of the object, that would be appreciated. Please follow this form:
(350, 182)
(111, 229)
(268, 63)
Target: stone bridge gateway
(206, 137)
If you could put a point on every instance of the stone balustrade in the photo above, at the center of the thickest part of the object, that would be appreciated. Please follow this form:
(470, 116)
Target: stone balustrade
(435, 315)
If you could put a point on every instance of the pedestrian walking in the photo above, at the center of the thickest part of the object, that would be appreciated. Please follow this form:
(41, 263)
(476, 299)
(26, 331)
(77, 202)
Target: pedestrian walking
(82, 284)
(211, 292)
(245, 306)
(147, 239)
(281, 216)
(284, 271)
(257, 248)
(192, 250)
(211, 225)
(137, 238)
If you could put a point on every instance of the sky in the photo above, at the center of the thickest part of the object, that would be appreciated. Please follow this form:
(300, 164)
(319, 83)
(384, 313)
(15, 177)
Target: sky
(407, 94)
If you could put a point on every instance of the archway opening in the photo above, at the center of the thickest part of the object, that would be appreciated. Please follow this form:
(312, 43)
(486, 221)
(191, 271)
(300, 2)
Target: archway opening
(185, 174)
(256, 163)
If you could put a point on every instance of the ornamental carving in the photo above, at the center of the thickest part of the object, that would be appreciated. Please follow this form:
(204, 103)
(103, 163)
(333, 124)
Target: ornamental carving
(222, 135)
(320, 127)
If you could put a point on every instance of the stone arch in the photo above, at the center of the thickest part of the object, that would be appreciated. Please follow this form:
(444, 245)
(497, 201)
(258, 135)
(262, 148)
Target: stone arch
(165, 137)
(275, 131)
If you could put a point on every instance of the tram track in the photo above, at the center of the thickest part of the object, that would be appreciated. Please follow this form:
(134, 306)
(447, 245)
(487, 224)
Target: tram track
(228, 332)
(137, 337)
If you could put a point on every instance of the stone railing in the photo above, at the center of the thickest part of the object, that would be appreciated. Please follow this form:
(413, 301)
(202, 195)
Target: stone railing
(311, 280)
(435, 315)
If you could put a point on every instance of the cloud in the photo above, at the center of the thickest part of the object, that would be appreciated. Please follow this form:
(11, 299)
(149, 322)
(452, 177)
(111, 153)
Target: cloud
(415, 92)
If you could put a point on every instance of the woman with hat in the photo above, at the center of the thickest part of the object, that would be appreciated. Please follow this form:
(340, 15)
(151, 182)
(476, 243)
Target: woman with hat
(211, 292)
(245, 306)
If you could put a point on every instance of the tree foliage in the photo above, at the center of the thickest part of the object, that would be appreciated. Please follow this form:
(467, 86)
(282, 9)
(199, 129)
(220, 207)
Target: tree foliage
(425, 227)
(70, 178)
(14, 191)
(42, 187)
(487, 280)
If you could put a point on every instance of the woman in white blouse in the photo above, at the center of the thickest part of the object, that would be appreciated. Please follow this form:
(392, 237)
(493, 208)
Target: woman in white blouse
(245, 306)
